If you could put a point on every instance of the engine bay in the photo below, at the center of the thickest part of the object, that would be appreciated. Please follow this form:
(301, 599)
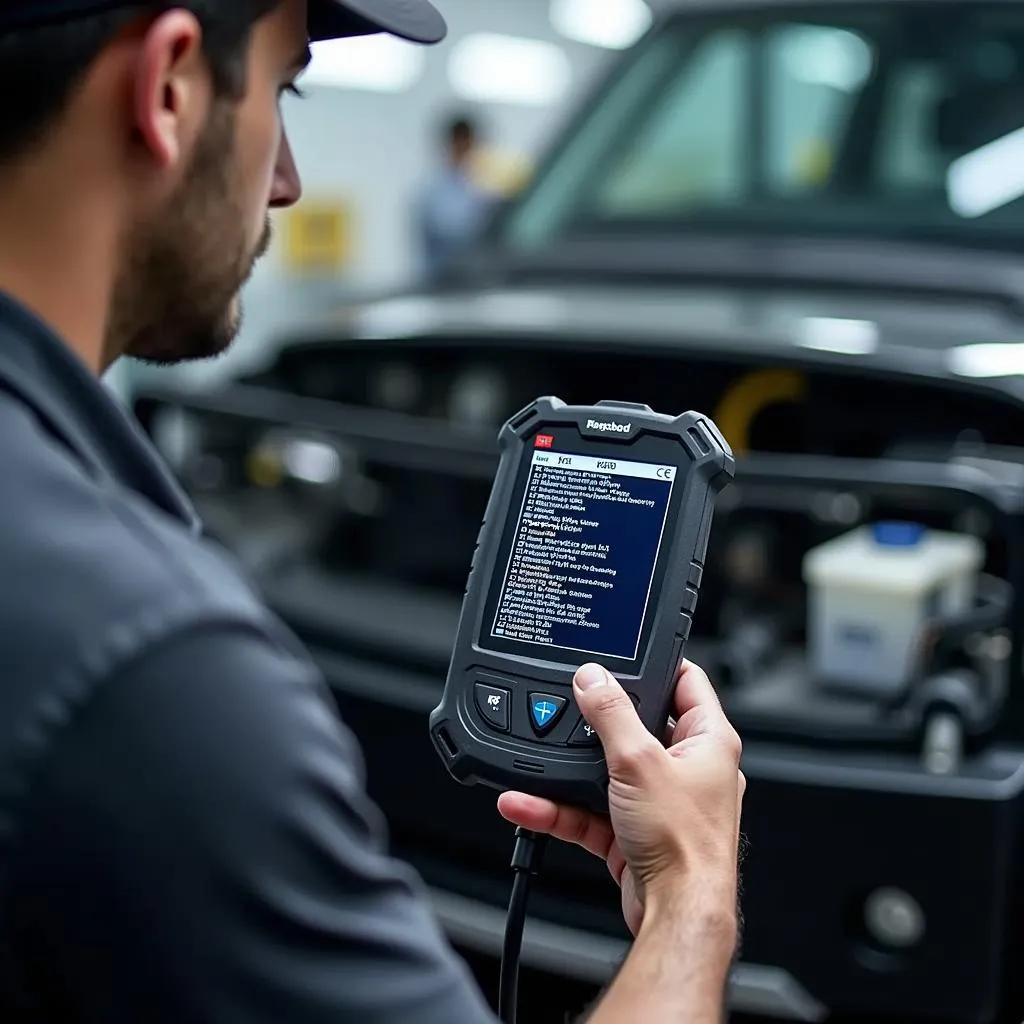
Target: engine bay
(349, 457)
(351, 479)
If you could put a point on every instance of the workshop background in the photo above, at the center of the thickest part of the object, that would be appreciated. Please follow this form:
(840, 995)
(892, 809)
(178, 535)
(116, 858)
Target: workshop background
(802, 219)
(369, 138)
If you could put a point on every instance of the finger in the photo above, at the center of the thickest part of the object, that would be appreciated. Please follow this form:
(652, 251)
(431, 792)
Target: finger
(694, 693)
(568, 824)
(668, 736)
(693, 723)
(607, 707)
(616, 863)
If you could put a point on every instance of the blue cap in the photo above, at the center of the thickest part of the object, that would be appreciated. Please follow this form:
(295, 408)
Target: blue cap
(415, 20)
(898, 535)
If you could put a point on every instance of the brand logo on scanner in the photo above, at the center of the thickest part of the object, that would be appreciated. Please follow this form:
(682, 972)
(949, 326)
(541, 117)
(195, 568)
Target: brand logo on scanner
(609, 426)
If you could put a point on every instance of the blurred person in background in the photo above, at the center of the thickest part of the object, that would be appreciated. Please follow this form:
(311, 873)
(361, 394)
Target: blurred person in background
(453, 206)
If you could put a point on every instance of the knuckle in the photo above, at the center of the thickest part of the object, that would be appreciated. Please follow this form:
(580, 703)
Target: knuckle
(742, 784)
(732, 743)
(576, 828)
(637, 759)
(608, 703)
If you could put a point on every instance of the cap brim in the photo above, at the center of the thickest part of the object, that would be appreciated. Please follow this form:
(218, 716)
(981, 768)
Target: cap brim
(415, 20)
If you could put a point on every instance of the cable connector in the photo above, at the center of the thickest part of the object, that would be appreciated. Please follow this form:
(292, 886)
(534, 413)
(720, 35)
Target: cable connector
(527, 856)
(528, 853)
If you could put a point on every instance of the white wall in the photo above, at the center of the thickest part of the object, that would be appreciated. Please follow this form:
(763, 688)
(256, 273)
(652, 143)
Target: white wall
(377, 149)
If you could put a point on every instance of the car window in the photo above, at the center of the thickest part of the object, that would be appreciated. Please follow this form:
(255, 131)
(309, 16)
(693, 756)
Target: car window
(692, 147)
(867, 119)
(813, 77)
(910, 157)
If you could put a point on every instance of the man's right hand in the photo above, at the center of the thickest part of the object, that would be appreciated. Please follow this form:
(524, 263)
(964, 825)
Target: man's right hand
(673, 835)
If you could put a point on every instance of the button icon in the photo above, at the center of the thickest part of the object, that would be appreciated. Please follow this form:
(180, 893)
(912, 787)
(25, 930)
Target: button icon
(545, 710)
(492, 702)
(584, 735)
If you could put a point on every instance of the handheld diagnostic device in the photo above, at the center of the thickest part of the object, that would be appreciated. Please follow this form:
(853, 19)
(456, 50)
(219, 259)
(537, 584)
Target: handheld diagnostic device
(592, 549)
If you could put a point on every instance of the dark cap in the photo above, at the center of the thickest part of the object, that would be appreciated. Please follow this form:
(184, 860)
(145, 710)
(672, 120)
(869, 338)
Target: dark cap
(415, 20)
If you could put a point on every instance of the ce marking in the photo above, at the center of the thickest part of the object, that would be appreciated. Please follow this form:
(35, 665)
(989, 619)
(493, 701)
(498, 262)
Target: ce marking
(664, 472)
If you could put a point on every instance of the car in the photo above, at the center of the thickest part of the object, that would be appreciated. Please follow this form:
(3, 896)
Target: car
(805, 220)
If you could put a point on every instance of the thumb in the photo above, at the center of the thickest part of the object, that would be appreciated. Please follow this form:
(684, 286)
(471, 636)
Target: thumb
(609, 710)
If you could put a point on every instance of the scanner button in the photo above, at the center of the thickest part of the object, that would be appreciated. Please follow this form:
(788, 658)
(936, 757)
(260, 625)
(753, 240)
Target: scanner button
(584, 735)
(492, 703)
(704, 534)
(639, 406)
(545, 711)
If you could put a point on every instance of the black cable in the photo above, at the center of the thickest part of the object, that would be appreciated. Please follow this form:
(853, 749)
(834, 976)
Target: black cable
(527, 857)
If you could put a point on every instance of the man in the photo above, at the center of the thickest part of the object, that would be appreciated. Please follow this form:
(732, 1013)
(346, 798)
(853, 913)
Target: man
(453, 206)
(184, 833)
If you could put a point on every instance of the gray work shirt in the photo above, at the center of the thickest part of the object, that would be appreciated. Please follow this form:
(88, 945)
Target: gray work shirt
(184, 831)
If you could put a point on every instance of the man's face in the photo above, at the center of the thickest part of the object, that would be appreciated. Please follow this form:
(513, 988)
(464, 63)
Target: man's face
(462, 147)
(184, 263)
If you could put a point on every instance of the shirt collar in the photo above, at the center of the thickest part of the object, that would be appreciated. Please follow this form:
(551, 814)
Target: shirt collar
(43, 372)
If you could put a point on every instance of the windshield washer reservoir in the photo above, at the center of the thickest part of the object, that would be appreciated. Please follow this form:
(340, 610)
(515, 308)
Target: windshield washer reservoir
(871, 595)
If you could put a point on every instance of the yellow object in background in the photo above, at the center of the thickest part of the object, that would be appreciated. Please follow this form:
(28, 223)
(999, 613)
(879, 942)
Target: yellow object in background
(500, 172)
(318, 236)
(748, 396)
(263, 467)
(813, 162)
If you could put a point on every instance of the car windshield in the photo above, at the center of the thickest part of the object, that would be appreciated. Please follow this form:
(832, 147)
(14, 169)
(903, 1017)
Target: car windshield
(895, 120)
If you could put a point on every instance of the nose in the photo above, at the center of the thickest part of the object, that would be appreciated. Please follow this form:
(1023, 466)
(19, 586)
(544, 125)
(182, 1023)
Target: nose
(286, 189)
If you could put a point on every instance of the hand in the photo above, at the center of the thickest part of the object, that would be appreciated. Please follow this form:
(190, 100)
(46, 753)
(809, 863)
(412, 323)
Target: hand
(674, 813)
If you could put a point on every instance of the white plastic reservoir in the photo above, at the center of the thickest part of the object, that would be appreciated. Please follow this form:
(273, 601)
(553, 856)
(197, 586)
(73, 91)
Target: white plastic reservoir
(871, 593)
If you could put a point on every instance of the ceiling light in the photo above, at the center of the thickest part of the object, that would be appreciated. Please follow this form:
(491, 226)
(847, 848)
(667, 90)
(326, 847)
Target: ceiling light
(988, 360)
(829, 57)
(988, 177)
(378, 63)
(492, 68)
(612, 24)
(834, 334)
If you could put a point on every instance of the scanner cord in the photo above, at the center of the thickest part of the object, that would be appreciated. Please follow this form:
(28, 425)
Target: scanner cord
(527, 857)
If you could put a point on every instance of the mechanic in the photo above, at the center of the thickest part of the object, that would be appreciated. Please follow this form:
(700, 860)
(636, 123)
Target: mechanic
(184, 830)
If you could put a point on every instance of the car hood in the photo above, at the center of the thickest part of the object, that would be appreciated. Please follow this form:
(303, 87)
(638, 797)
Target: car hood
(969, 340)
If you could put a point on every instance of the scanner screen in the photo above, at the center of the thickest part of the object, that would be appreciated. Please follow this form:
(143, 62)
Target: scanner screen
(584, 553)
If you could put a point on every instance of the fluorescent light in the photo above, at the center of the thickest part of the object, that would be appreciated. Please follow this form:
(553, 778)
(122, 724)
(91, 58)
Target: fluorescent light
(612, 24)
(829, 56)
(987, 178)
(988, 360)
(834, 334)
(492, 68)
(378, 63)
(312, 462)
(403, 317)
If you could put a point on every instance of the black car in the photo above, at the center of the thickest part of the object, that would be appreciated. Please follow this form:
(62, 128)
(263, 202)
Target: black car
(805, 220)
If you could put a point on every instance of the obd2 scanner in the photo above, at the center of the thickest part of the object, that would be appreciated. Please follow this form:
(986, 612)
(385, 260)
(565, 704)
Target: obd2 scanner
(592, 549)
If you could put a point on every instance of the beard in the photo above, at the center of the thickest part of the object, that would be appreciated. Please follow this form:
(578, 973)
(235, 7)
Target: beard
(177, 294)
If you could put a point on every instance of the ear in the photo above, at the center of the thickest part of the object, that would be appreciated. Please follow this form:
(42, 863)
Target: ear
(171, 87)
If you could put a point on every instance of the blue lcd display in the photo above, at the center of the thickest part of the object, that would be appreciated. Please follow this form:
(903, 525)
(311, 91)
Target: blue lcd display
(584, 552)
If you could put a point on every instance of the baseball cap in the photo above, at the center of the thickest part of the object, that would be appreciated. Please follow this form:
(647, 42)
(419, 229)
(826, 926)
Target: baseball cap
(415, 20)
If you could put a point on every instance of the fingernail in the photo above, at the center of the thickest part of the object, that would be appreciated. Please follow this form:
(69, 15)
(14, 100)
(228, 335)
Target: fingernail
(589, 676)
